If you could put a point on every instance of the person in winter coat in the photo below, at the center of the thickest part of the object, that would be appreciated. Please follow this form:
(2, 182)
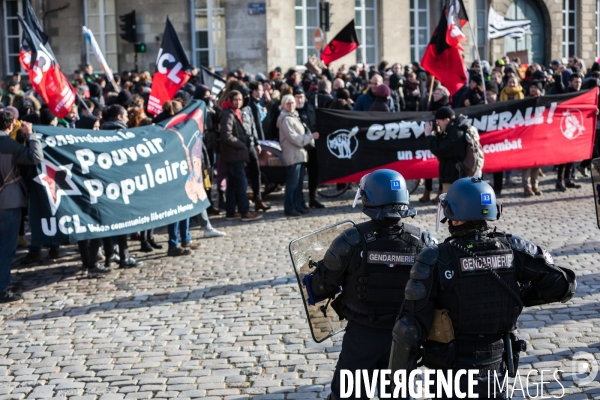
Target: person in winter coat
(397, 88)
(382, 97)
(235, 152)
(293, 137)
(474, 94)
(448, 144)
(365, 101)
(512, 91)
(440, 98)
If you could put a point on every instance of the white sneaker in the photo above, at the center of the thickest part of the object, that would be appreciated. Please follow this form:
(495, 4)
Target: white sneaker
(212, 232)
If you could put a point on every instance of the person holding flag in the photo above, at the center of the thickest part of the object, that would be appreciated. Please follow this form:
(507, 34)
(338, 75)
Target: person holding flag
(442, 57)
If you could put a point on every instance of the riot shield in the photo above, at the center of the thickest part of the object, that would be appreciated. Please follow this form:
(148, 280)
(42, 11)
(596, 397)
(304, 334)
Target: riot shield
(305, 252)
(596, 184)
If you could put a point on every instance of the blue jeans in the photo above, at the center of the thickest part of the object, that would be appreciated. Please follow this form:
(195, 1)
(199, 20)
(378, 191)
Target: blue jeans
(183, 229)
(9, 228)
(294, 179)
(236, 188)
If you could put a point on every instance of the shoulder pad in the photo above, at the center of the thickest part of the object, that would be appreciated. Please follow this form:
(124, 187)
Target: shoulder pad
(341, 247)
(413, 230)
(420, 271)
(429, 255)
(523, 246)
(415, 290)
(352, 236)
(428, 239)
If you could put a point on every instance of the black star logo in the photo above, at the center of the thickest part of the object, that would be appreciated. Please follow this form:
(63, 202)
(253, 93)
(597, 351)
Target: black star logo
(57, 180)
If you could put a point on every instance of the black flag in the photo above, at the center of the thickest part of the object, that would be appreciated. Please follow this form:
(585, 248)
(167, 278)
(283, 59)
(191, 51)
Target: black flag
(213, 81)
(33, 23)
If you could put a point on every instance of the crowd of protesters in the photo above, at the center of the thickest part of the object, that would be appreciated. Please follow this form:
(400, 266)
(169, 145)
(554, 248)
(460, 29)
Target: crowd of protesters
(280, 106)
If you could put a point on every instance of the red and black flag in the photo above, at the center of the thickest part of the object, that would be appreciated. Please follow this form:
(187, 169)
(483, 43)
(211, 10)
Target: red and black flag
(345, 42)
(457, 18)
(172, 70)
(34, 24)
(443, 60)
(45, 75)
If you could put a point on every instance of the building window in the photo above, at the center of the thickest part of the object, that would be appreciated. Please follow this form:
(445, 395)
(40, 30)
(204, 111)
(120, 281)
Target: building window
(569, 46)
(482, 27)
(307, 20)
(208, 40)
(366, 16)
(101, 20)
(419, 28)
(12, 35)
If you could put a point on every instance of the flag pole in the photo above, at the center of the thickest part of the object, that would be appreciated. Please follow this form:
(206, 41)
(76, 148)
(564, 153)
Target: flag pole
(115, 86)
(82, 102)
(430, 90)
(478, 59)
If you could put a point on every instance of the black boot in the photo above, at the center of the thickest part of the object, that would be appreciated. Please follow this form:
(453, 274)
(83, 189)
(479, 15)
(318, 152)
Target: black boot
(314, 203)
(155, 245)
(145, 247)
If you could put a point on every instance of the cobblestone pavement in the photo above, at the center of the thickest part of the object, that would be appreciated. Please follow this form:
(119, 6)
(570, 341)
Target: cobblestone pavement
(227, 322)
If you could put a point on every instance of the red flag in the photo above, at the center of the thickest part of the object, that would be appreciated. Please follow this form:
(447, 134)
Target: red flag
(45, 75)
(456, 19)
(345, 42)
(172, 70)
(444, 61)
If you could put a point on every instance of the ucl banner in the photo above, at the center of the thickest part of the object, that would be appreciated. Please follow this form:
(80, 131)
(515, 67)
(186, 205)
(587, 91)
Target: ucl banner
(515, 135)
(94, 184)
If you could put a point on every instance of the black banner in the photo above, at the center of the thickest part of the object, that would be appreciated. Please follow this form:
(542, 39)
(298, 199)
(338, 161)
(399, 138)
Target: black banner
(515, 135)
(94, 184)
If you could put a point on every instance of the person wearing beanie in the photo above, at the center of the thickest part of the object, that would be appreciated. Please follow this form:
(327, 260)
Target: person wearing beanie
(446, 140)
(474, 94)
(47, 118)
(124, 98)
(491, 91)
(382, 94)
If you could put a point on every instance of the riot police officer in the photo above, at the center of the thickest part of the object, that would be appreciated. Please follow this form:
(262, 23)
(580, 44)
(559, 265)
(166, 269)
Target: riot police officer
(371, 262)
(465, 295)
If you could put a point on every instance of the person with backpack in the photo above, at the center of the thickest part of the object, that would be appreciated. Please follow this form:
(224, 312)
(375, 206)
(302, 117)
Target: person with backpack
(456, 145)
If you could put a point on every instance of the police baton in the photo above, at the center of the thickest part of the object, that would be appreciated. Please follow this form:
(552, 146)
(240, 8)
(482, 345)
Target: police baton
(509, 355)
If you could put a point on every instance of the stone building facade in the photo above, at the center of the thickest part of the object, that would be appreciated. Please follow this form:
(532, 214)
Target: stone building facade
(260, 35)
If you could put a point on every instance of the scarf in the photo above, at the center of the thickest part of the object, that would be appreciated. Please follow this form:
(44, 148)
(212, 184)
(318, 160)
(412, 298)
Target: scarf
(469, 228)
(237, 111)
(509, 93)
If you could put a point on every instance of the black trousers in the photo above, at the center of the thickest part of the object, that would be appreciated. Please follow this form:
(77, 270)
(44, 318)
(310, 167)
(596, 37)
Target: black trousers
(483, 389)
(254, 173)
(312, 167)
(564, 172)
(89, 251)
(498, 179)
(362, 348)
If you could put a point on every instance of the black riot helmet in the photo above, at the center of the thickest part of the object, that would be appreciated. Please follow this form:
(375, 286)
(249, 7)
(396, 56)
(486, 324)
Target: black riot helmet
(384, 195)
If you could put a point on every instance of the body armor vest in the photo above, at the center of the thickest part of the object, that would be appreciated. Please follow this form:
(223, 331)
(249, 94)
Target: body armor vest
(374, 287)
(484, 306)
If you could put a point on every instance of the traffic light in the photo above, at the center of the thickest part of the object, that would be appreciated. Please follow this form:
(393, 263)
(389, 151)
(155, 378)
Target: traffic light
(128, 27)
(326, 16)
(140, 47)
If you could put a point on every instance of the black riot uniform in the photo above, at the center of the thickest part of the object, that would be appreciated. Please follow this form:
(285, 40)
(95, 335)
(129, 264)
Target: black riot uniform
(371, 263)
(465, 295)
